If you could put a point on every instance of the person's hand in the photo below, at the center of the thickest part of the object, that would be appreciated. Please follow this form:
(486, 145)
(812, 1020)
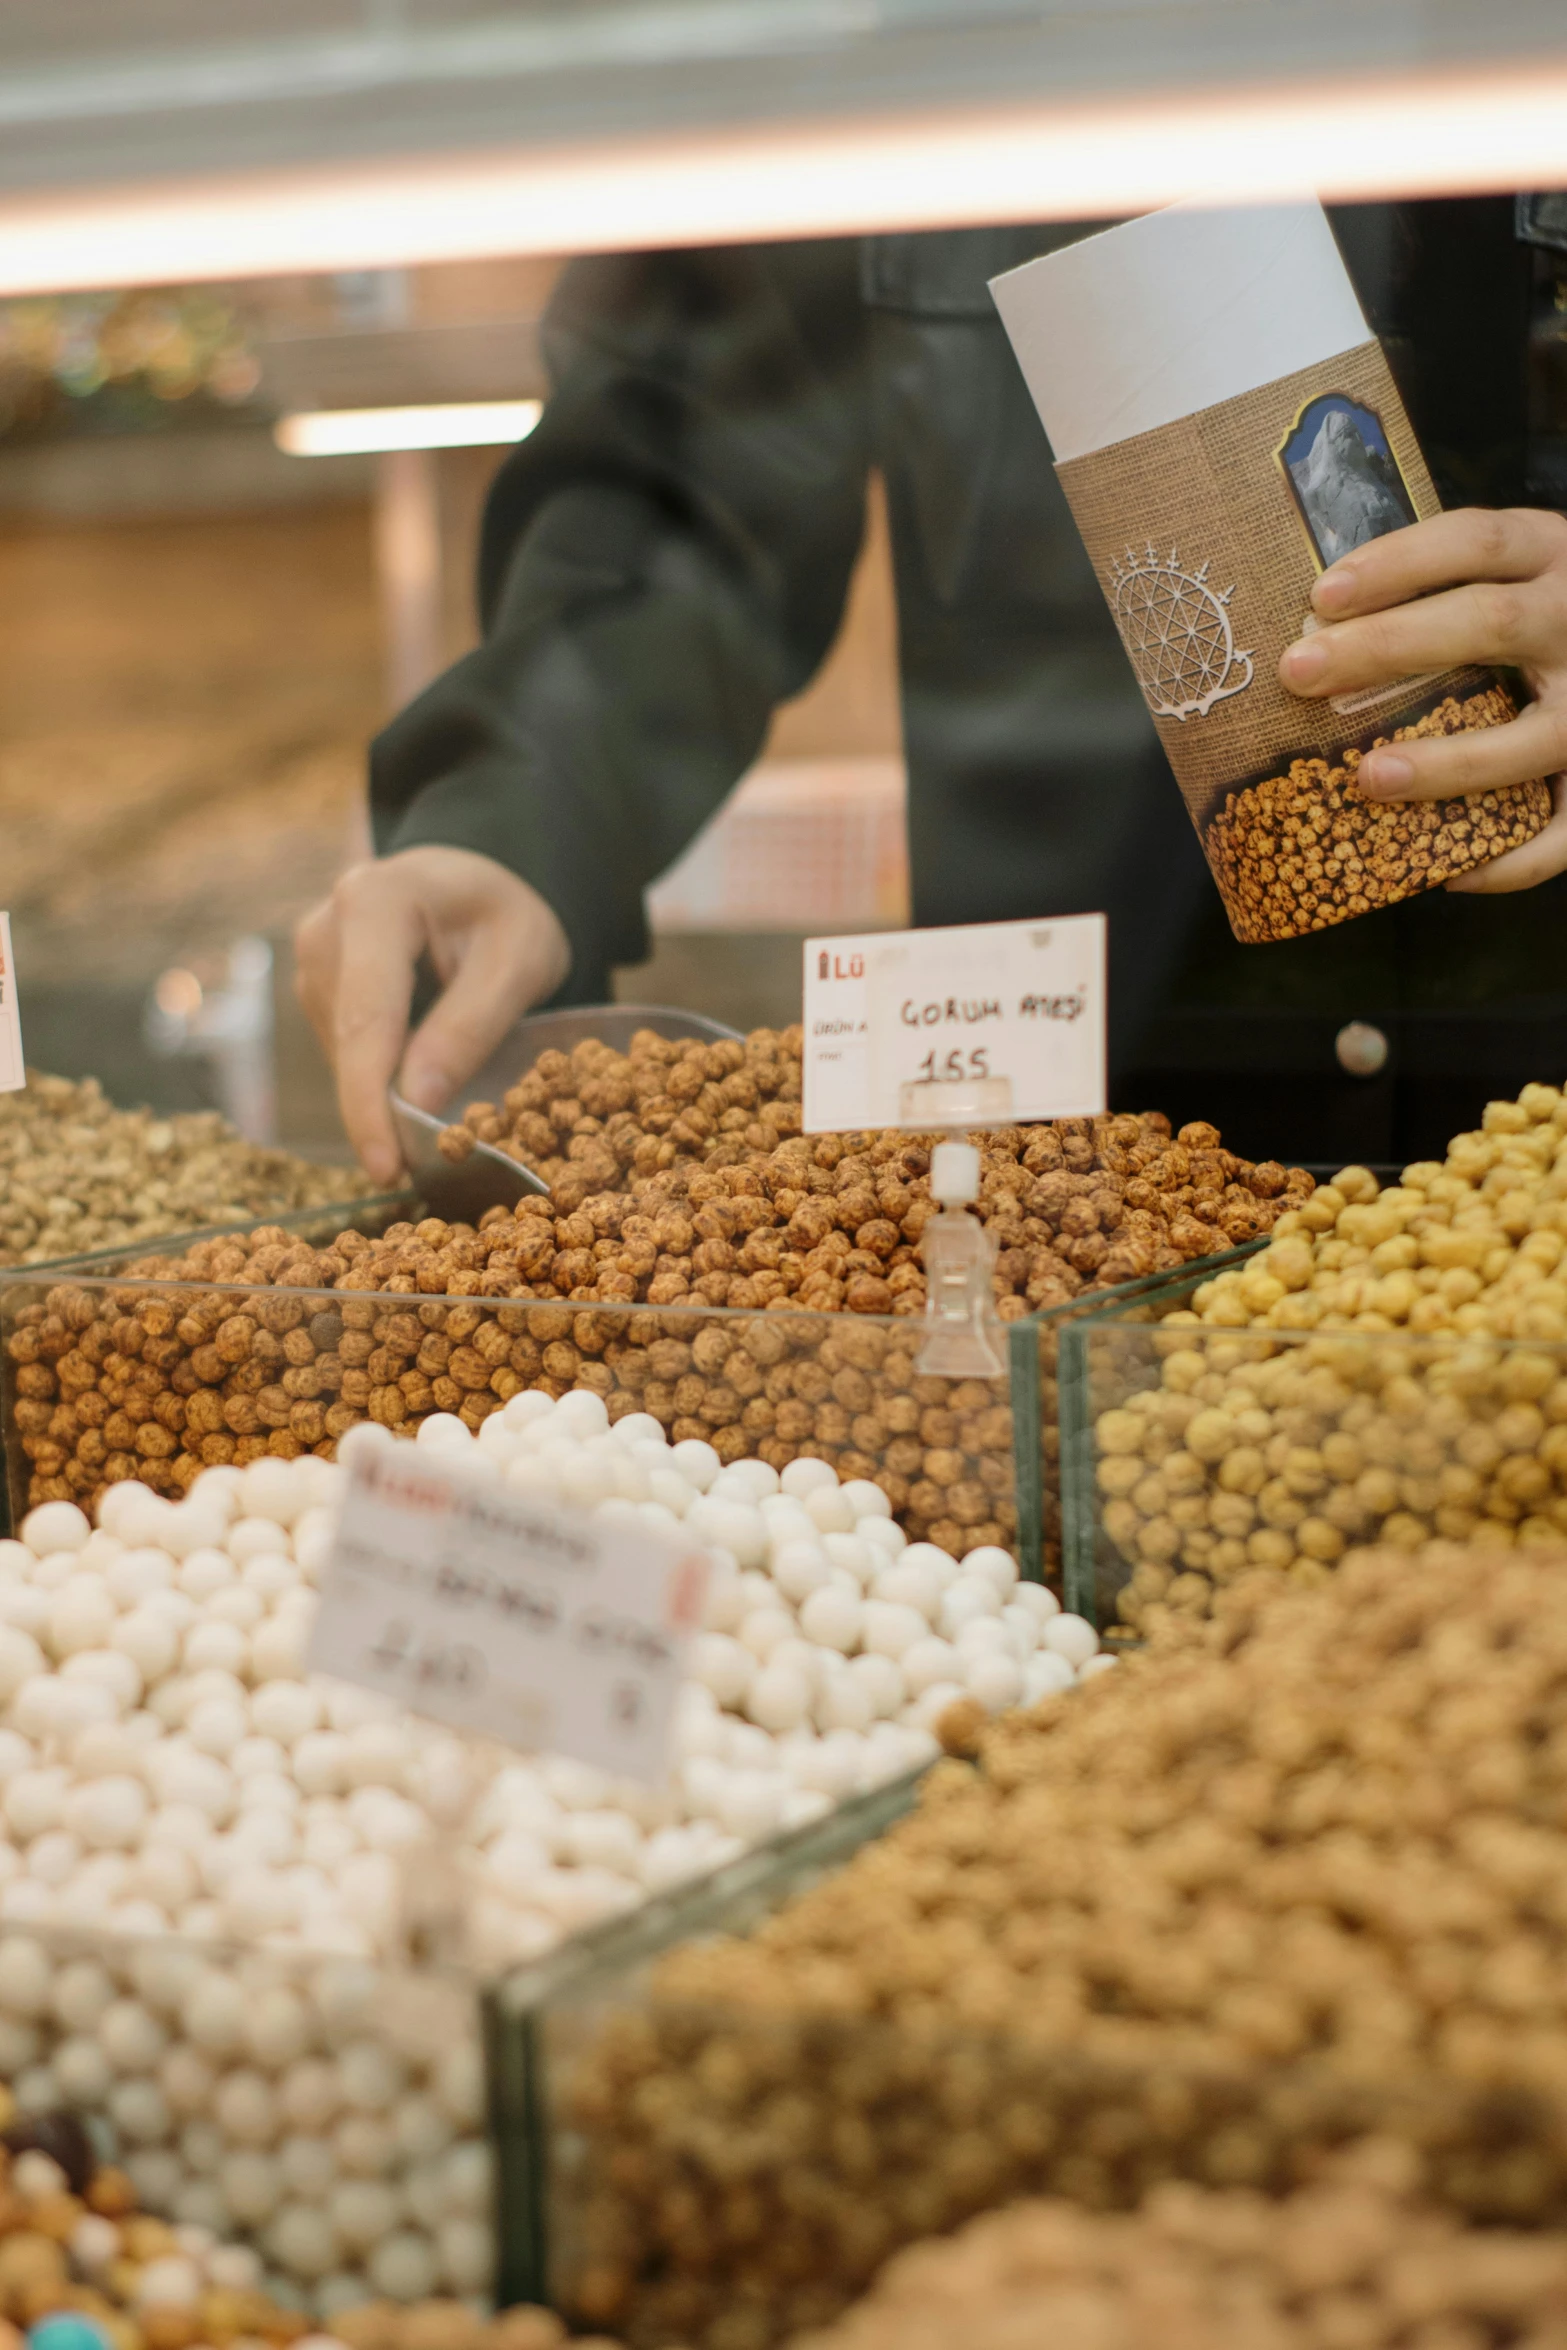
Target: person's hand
(496, 947)
(1468, 587)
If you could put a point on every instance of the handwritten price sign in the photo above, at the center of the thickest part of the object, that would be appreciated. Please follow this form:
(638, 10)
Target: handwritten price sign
(505, 1617)
(979, 1025)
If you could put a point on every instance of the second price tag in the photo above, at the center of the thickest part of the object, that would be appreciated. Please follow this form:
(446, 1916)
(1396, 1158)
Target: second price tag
(507, 1618)
(980, 1025)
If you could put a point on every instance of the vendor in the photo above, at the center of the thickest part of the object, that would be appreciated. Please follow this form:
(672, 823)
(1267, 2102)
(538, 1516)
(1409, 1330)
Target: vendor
(667, 559)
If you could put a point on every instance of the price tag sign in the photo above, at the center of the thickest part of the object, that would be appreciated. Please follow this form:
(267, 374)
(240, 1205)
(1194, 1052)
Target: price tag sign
(13, 1071)
(980, 1025)
(505, 1617)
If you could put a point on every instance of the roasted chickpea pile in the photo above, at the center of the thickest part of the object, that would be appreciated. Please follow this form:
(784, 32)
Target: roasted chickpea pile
(131, 1383)
(593, 1119)
(1358, 2257)
(1223, 1448)
(1287, 1876)
(834, 1221)
(158, 1384)
(76, 1174)
(1305, 850)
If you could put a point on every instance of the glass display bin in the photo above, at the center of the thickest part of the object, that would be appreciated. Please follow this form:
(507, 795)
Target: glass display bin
(116, 1367)
(369, 2126)
(314, 1225)
(252, 1919)
(1143, 1301)
(711, 2175)
(1195, 1452)
(199, 1374)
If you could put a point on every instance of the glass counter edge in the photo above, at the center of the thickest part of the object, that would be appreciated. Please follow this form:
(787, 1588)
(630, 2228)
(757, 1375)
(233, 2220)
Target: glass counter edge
(765, 1873)
(659, 1923)
(165, 1243)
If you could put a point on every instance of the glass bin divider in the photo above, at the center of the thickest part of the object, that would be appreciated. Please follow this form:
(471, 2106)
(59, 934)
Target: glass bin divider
(1138, 1304)
(1042, 1351)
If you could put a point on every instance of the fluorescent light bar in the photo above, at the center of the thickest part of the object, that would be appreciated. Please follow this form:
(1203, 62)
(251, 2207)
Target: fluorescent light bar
(448, 424)
(1403, 133)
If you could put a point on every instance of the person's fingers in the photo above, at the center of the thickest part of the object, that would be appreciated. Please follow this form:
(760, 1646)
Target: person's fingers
(1445, 551)
(380, 935)
(1483, 622)
(315, 968)
(490, 987)
(503, 950)
(1444, 766)
(1537, 860)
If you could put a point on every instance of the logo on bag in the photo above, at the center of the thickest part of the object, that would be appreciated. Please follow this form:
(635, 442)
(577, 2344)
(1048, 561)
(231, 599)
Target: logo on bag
(1177, 630)
(1340, 470)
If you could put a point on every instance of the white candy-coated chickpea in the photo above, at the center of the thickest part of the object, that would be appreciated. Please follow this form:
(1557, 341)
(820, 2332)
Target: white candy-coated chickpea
(55, 1526)
(1072, 1637)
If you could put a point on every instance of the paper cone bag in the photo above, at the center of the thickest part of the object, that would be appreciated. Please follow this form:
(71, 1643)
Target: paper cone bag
(1225, 426)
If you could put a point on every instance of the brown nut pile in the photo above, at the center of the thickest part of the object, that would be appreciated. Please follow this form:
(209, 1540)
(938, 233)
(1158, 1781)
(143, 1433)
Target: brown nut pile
(1305, 850)
(76, 1174)
(592, 1119)
(834, 1220)
(1220, 1452)
(131, 1383)
(1286, 1877)
(1354, 2261)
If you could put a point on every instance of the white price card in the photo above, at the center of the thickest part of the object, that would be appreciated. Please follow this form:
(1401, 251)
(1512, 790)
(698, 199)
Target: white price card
(506, 1617)
(979, 1025)
(13, 1071)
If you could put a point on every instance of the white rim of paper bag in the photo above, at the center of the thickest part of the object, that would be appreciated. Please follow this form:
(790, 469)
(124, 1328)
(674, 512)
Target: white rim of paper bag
(1174, 312)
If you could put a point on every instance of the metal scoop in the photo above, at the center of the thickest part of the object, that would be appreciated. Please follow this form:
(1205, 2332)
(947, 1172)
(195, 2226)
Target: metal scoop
(489, 1177)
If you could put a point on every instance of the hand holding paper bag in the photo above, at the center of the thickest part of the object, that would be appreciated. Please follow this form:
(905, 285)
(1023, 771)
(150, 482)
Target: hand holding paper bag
(1460, 588)
(1229, 437)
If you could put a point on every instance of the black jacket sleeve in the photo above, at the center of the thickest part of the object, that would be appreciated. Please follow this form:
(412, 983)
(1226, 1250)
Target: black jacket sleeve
(662, 561)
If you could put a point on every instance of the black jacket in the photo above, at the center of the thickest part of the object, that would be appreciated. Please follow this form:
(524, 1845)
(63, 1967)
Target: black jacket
(666, 559)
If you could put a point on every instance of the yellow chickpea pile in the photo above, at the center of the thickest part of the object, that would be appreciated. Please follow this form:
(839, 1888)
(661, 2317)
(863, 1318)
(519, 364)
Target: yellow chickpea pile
(1392, 1367)
(1472, 1244)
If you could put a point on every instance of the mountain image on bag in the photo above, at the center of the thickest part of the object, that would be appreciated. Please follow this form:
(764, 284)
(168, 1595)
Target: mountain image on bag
(1345, 478)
